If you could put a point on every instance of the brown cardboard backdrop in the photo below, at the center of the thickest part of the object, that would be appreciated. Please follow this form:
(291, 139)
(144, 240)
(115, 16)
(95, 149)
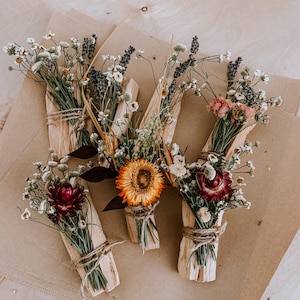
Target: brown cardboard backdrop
(254, 242)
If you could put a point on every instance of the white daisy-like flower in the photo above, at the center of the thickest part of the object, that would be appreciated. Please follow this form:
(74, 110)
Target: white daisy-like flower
(177, 169)
(30, 40)
(179, 159)
(81, 224)
(49, 35)
(212, 158)
(204, 214)
(265, 78)
(239, 96)
(241, 181)
(236, 159)
(139, 54)
(257, 73)
(25, 195)
(118, 76)
(26, 214)
(134, 106)
(249, 164)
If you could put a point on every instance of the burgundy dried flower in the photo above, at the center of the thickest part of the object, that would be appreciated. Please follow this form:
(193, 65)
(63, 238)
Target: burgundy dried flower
(66, 200)
(216, 189)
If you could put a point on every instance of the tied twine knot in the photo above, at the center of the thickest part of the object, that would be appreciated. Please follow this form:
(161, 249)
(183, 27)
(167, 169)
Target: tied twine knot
(204, 236)
(78, 114)
(143, 214)
(95, 257)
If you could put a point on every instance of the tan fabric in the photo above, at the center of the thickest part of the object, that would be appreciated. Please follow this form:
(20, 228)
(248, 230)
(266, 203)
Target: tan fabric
(254, 240)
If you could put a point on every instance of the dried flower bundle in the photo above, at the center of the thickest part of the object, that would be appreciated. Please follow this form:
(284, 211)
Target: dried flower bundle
(55, 192)
(213, 184)
(60, 66)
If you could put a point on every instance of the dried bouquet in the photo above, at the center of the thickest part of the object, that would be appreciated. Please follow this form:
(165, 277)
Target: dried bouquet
(137, 152)
(56, 192)
(213, 184)
(59, 67)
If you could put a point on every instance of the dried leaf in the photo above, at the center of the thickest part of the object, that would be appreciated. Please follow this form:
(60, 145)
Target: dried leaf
(98, 174)
(115, 203)
(84, 152)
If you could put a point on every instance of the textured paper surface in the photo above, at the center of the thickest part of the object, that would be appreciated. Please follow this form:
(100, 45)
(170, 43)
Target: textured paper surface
(253, 244)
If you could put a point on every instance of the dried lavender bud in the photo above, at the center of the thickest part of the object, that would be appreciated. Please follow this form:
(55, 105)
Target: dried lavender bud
(249, 94)
(92, 46)
(184, 66)
(171, 91)
(195, 45)
(232, 69)
(84, 47)
(124, 61)
(98, 80)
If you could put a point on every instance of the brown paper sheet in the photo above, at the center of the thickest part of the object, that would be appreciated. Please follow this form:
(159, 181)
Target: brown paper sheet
(253, 244)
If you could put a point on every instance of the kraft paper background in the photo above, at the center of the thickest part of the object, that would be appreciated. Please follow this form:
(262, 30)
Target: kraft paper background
(250, 249)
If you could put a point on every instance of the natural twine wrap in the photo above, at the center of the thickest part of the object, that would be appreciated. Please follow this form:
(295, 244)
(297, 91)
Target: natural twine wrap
(143, 213)
(204, 236)
(68, 115)
(93, 256)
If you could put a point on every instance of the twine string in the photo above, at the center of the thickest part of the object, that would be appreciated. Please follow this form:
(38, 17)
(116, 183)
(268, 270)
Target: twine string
(204, 236)
(95, 257)
(143, 214)
(64, 115)
(78, 114)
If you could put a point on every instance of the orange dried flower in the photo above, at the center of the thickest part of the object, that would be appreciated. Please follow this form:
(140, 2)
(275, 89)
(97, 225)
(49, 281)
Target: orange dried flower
(140, 183)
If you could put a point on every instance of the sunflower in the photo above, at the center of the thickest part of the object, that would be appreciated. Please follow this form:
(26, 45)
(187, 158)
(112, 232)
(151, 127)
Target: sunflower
(140, 182)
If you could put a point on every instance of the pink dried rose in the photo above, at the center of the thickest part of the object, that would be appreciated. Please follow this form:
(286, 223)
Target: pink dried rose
(220, 106)
(219, 188)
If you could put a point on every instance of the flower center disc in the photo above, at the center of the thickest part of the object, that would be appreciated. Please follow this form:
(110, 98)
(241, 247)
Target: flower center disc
(143, 178)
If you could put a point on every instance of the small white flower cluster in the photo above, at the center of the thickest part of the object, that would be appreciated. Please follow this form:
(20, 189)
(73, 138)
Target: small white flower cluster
(115, 71)
(225, 56)
(39, 60)
(191, 85)
(178, 167)
(238, 200)
(177, 49)
(54, 172)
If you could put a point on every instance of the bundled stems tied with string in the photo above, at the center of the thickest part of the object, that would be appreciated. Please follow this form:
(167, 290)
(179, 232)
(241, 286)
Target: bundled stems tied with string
(90, 261)
(141, 226)
(199, 247)
(205, 240)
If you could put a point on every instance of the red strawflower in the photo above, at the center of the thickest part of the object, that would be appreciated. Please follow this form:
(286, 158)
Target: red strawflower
(216, 189)
(66, 200)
